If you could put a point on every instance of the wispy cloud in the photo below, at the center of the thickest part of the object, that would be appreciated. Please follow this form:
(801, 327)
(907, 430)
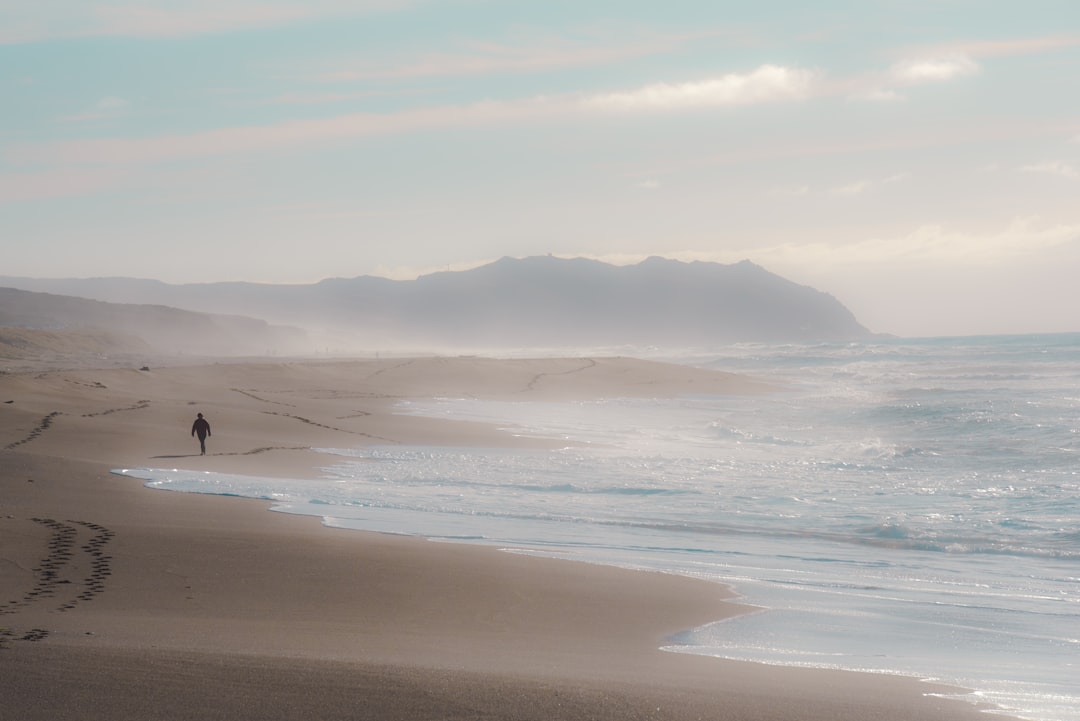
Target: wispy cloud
(1010, 46)
(792, 191)
(1053, 167)
(938, 244)
(855, 188)
(958, 59)
(32, 22)
(240, 139)
(526, 56)
(768, 83)
(861, 186)
(919, 68)
(948, 62)
(321, 98)
(58, 183)
(933, 69)
(926, 246)
(879, 95)
(106, 108)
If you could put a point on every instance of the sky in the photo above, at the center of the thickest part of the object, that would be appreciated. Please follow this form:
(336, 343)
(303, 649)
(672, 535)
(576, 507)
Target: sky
(917, 159)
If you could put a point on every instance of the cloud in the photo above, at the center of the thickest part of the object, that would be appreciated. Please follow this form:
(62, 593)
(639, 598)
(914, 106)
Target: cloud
(106, 108)
(191, 18)
(851, 189)
(958, 59)
(792, 191)
(944, 63)
(58, 183)
(27, 22)
(502, 59)
(1053, 167)
(320, 98)
(880, 95)
(258, 138)
(914, 71)
(768, 83)
(861, 186)
(1012, 46)
(927, 245)
(918, 69)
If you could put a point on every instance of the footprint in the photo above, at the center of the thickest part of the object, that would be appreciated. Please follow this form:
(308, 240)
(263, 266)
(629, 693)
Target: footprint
(58, 575)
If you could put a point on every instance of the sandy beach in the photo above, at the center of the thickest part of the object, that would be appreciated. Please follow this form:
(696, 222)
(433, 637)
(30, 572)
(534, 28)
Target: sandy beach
(120, 602)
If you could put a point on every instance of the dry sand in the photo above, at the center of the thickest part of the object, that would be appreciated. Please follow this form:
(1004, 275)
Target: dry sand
(119, 602)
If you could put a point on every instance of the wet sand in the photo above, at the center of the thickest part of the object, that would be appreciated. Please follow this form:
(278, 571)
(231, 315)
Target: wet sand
(119, 602)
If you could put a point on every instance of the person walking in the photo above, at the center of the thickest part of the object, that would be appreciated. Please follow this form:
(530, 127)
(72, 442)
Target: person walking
(201, 427)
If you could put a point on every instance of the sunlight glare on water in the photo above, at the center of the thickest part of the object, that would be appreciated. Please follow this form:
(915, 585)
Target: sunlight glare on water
(907, 507)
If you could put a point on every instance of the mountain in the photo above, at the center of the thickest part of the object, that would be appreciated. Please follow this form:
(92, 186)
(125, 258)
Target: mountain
(539, 301)
(47, 322)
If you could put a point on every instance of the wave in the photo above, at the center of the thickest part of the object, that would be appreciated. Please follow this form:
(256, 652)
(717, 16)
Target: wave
(510, 488)
(721, 430)
(899, 536)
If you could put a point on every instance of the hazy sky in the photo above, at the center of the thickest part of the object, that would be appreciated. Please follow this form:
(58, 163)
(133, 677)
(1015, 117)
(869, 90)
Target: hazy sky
(918, 159)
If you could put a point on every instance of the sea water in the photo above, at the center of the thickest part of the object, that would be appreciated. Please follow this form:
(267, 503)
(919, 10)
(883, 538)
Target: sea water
(899, 506)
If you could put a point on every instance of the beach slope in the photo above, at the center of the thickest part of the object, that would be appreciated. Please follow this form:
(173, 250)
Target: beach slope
(120, 602)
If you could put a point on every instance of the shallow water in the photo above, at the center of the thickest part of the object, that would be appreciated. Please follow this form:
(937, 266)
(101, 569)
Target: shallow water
(906, 507)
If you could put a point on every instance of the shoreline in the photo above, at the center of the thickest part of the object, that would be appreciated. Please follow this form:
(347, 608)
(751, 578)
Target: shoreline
(731, 605)
(216, 592)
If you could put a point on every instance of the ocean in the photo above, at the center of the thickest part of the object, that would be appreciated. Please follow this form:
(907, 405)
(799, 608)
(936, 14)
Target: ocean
(907, 506)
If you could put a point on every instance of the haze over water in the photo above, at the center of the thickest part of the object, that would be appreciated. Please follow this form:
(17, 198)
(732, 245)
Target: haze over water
(904, 506)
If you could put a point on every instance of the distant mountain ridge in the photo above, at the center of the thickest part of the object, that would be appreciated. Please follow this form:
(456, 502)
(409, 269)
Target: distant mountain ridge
(540, 301)
(128, 328)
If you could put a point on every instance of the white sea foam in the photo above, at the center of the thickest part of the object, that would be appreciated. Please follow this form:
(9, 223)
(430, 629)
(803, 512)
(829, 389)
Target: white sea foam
(906, 507)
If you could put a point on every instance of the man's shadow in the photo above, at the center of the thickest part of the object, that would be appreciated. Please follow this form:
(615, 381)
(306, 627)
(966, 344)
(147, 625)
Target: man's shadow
(186, 455)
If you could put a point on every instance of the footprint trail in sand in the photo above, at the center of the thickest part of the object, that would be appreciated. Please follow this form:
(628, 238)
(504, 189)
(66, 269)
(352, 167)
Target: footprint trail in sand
(74, 570)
